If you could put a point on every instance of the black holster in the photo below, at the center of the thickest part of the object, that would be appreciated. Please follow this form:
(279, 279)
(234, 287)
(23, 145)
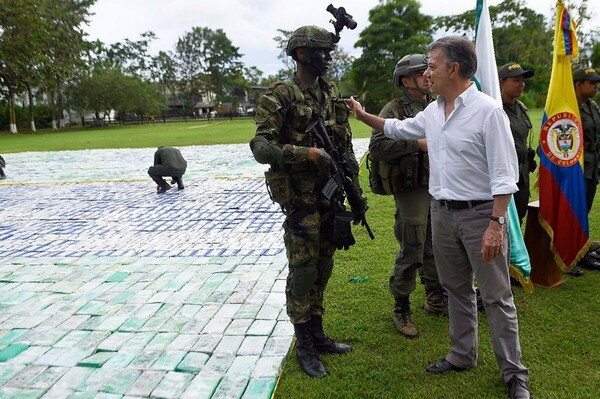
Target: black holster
(342, 230)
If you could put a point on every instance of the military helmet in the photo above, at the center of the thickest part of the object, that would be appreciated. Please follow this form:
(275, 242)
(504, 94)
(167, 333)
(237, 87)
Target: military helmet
(310, 36)
(408, 64)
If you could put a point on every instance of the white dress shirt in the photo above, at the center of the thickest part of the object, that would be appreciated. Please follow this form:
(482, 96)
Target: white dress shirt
(471, 154)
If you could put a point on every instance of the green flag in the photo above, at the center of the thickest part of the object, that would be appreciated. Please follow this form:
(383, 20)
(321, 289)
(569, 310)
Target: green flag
(486, 79)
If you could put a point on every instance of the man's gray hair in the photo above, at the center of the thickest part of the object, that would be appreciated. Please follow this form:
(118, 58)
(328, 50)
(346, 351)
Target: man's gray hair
(458, 49)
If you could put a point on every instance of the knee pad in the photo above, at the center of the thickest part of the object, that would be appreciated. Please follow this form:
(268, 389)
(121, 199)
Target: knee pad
(265, 152)
(303, 280)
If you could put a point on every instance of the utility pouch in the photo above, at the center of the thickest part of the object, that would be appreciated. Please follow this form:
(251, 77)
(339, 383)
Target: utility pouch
(375, 181)
(279, 186)
(386, 171)
(409, 176)
(342, 230)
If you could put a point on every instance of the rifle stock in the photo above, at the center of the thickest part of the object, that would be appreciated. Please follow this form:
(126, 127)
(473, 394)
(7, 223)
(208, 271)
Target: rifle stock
(341, 177)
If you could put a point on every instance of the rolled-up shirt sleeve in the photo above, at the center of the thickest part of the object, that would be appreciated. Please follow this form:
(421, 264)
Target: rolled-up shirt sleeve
(410, 128)
(501, 154)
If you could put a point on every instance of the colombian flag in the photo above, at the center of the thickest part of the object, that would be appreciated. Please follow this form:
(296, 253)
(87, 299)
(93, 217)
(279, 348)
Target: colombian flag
(563, 208)
(486, 79)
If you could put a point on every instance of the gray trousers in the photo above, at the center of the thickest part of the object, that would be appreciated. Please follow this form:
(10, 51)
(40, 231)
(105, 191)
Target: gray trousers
(457, 240)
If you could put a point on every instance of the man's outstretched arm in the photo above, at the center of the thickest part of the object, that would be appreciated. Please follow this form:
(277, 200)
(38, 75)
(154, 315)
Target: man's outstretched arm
(359, 113)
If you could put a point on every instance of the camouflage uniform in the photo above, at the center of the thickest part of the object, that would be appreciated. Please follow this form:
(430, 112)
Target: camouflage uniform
(411, 228)
(520, 125)
(282, 117)
(409, 172)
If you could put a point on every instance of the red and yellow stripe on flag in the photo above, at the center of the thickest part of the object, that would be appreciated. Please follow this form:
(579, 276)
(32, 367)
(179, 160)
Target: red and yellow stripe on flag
(563, 208)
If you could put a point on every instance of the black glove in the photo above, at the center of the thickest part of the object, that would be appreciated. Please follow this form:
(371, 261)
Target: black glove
(531, 160)
(342, 230)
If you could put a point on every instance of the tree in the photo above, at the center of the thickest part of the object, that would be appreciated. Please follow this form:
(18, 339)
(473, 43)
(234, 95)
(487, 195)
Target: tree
(131, 57)
(110, 89)
(163, 72)
(396, 28)
(21, 33)
(207, 63)
(64, 49)
(253, 76)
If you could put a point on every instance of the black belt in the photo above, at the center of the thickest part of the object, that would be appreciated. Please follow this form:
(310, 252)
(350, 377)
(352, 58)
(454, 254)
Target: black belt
(458, 205)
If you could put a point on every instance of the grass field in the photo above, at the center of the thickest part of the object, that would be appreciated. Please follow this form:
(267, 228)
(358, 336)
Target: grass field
(558, 326)
(177, 134)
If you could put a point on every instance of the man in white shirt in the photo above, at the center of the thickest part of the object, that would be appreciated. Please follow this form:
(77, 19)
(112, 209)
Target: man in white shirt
(473, 173)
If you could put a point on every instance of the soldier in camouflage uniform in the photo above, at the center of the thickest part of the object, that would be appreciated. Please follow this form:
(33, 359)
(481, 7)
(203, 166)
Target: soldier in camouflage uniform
(404, 169)
(298, 173)
(512, 83)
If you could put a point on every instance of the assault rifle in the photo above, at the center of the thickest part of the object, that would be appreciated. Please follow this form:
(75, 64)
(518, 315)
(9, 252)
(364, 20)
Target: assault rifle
(342, 176)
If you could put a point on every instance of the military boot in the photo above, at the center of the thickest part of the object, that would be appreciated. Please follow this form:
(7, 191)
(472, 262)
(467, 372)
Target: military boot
(436, 301)
(324, 344)
(179, 182)
(402, 318)
(306, 353)
(163, 188)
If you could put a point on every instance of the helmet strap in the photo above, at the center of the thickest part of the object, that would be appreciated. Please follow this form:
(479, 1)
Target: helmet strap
(417, 87)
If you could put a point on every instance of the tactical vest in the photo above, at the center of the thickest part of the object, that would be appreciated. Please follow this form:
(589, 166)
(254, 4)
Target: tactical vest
(410, 172)
(334, 113)
(288, 184)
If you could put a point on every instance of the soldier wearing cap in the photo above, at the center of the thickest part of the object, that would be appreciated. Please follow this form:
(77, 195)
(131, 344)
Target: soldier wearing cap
(512, 84)
(296, 177)
(403, 169)
(585, 81)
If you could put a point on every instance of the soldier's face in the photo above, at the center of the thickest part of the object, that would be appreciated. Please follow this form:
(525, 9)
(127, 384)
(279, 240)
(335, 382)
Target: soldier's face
(416, 81)
(586, 89)
(512, 87)
(319, 59)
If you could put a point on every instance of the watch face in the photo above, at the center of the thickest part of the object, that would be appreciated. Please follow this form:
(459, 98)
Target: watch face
(499, 219)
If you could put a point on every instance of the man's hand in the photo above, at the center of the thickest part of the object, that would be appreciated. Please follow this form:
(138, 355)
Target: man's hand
(422, 144)
(492, 243)
(354, 106)
(321, 158)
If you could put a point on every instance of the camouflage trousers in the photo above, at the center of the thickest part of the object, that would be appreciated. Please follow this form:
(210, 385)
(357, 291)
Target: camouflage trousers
(310, 252)
(412, 229)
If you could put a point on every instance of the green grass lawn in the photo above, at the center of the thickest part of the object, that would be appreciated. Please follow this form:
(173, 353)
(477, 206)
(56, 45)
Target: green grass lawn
(558, 326)
(177, 134)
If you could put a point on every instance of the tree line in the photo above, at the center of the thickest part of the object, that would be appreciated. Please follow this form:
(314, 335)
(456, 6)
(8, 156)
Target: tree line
(47, 63)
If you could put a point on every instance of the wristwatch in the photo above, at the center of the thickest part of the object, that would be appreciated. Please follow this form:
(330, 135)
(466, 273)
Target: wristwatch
(500, 219)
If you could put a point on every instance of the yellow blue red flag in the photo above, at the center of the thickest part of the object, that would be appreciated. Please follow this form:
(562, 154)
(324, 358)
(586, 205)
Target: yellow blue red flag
(563, 207)
(486, 79)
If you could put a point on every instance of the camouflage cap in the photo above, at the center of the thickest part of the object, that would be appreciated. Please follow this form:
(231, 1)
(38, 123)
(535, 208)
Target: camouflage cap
(585, 74)
(310, 36)
(512, 69)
